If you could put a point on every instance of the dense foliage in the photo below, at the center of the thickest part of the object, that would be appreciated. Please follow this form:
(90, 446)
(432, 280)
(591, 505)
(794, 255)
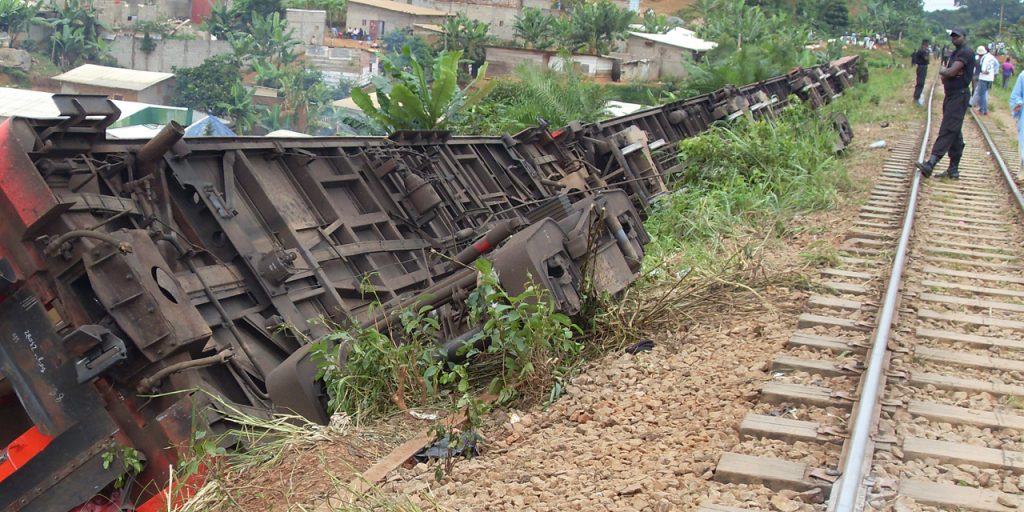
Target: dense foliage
(15, 16)
(535, 96)
(410, 100)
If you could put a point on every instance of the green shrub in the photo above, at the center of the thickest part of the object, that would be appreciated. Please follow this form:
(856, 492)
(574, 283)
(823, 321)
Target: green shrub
(744, 177)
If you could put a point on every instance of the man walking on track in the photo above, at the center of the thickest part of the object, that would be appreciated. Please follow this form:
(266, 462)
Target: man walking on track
(988, 66)
(1016, 106)
(956, 77)
(920, 59)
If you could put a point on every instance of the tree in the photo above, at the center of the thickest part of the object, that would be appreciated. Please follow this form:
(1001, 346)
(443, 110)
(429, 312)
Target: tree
(208, 86)
(654, 23)
(536, 29)
(835, 15)
(15, 16)
(221, 22)
(468, 36)
(408, 102)
(593, 26)
(395, 40)
(76, 35)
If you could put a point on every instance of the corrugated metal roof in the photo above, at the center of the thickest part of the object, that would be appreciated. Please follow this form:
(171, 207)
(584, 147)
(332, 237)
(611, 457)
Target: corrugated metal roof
(39, 104)
(401, 7)
(118, 78)
(680, 38)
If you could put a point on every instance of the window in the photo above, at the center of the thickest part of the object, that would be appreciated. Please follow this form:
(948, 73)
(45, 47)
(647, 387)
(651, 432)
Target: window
(501, 23)
(364, 23)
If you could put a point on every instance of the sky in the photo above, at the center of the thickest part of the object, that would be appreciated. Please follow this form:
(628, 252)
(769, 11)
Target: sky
(937, 5)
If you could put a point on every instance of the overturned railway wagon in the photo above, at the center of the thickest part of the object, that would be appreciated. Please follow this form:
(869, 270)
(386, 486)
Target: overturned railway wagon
(132, 272)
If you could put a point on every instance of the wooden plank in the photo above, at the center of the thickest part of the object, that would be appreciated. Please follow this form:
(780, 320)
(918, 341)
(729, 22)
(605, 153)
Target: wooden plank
(969, 263)
(938, 249)
(988, 229)
(774, 427)
(970, 318)
(847, 273)
(974, 339)
(948, 383)
(980, 236)
(849, 260)
(774, 474)
(961, 453)
(970, 221)
(866, 233)
(963, 416)
(868, 242)
(808, 320)
(955, 497)
(841, 287)
(998, 249)
(968, 359)
(971, 288)
(837, 345)
(976, 303)
(860, 251)
(823, 367)
(782, 392)
(834, 303)
(980, 276)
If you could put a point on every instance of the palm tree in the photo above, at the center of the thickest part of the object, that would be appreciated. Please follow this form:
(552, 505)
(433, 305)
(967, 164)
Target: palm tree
(535, 28)
(272, 38)
(408, 102)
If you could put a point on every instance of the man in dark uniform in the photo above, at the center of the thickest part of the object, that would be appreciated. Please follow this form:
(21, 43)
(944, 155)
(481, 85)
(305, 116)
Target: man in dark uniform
(956, 77)
(920, 59)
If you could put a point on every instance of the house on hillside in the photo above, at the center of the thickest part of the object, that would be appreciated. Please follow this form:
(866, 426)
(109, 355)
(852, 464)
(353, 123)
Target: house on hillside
(501, 14)
(378, 17)
(660, 56)
(118, 83)
(502, 61)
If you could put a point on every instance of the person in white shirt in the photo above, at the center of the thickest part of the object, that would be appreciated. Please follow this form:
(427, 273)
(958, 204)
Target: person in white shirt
(989, 67)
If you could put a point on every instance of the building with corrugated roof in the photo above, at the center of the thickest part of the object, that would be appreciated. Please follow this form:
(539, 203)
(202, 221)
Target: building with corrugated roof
(118, 83)
(379, 17)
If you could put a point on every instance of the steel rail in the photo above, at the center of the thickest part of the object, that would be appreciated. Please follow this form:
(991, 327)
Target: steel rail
(849, 486)
(1007, 176)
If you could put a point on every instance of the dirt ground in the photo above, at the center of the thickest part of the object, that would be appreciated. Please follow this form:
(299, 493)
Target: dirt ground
(632, 432)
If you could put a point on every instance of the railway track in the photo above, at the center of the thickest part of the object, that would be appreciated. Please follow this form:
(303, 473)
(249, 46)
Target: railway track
(902, 387)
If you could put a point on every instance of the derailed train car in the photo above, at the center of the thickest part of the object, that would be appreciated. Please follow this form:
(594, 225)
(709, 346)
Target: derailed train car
(133, 270)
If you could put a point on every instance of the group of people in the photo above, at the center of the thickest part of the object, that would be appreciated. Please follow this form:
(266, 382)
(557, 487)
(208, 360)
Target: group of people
(353, 33)
(967, 76)
(866, 41)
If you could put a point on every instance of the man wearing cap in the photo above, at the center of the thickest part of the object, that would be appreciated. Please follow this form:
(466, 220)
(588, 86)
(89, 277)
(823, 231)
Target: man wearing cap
(956, 77)
(988, 66)
(920, 59)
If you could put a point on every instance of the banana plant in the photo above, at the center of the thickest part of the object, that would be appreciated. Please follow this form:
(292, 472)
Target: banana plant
(408, 100)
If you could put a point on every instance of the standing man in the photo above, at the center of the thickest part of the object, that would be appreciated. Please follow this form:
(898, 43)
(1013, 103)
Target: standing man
(1007, 70)
(988, 67)
(1016, 105)
(920, 59)
(955, 79)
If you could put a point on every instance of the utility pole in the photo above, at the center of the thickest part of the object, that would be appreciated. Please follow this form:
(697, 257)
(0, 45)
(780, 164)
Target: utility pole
(1002, 5)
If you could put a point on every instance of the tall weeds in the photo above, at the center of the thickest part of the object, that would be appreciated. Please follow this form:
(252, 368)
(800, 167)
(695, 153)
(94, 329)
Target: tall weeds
(746, 178)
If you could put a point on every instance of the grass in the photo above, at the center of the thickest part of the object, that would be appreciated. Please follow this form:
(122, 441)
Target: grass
(748, 179)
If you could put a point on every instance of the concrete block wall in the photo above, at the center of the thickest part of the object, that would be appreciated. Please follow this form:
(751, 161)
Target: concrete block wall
(309, 25)
(169, 53)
